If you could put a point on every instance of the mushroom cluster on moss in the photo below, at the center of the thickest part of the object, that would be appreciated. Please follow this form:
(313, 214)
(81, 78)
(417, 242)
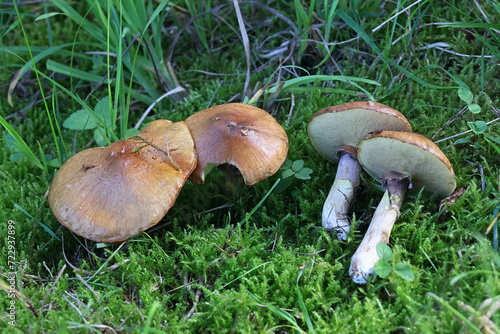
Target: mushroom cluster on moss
(335, 133)
(110, 194)
(378, 139)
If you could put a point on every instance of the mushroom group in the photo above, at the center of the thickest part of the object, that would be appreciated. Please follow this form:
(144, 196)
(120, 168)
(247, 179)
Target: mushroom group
(335, 133)
(110, 194)
(378, 139)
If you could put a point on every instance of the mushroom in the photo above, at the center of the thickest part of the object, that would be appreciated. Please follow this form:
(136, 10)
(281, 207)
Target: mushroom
(241, 135)
(402, 161)
(335, 133)
(112, 193)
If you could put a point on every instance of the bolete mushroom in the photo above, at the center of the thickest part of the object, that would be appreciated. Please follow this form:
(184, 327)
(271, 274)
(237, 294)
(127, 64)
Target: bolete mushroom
(335, 133)
(402, 161)
(112, 193)
(241, 135)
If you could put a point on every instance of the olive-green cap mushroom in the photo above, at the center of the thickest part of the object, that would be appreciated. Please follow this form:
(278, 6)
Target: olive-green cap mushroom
(335, 133)
(411, 154)
(401, 161)
(241, 135)
(112, 193)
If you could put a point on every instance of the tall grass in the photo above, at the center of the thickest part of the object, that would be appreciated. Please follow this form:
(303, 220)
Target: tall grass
(129, 69)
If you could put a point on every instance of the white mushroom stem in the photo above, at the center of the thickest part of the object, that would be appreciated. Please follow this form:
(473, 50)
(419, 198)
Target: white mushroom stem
(335, 210)
(396, 185)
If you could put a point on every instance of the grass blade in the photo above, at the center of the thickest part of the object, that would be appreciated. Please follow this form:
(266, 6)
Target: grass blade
(92, 29)
(21, 144)
(283, 314)
(470, 25)
(72, 72)
(147, 327)
(456, 313)
(28, 65)
(248, 215)
(48, 230)
(244, 274)
(246, 43)
(303, 305)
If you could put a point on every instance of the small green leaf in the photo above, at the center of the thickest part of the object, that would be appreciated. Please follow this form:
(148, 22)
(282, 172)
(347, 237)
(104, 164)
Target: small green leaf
(10, 142)
(287, 173)
(55, 163)
(304, 174)
(131, 132)
(287, 164)
(465, 95)
(102, 110)
(382, 268)
(404, 271)
(384, 252)
(297, 165)
(474, 108)
(478, 126)
(16, 156)
(99, 139)
(80, 120)
(463, 141)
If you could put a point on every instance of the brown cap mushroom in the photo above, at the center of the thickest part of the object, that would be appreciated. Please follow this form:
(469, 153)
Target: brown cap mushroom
(401, 161)
(240, 135)
(335, 133)
(112, 193)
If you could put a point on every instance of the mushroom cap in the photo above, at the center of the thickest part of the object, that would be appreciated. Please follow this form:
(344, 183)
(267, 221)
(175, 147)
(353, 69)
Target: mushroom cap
(240, 135)
(334, 127)
(112, 193)
(411, 154)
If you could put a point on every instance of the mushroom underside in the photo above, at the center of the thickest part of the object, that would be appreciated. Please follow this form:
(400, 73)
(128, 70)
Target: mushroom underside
(401, 161)
(241, 135)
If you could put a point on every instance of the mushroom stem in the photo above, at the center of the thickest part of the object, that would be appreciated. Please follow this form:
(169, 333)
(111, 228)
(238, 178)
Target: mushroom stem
(233, 177)
(344, 188)
(395, 185)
